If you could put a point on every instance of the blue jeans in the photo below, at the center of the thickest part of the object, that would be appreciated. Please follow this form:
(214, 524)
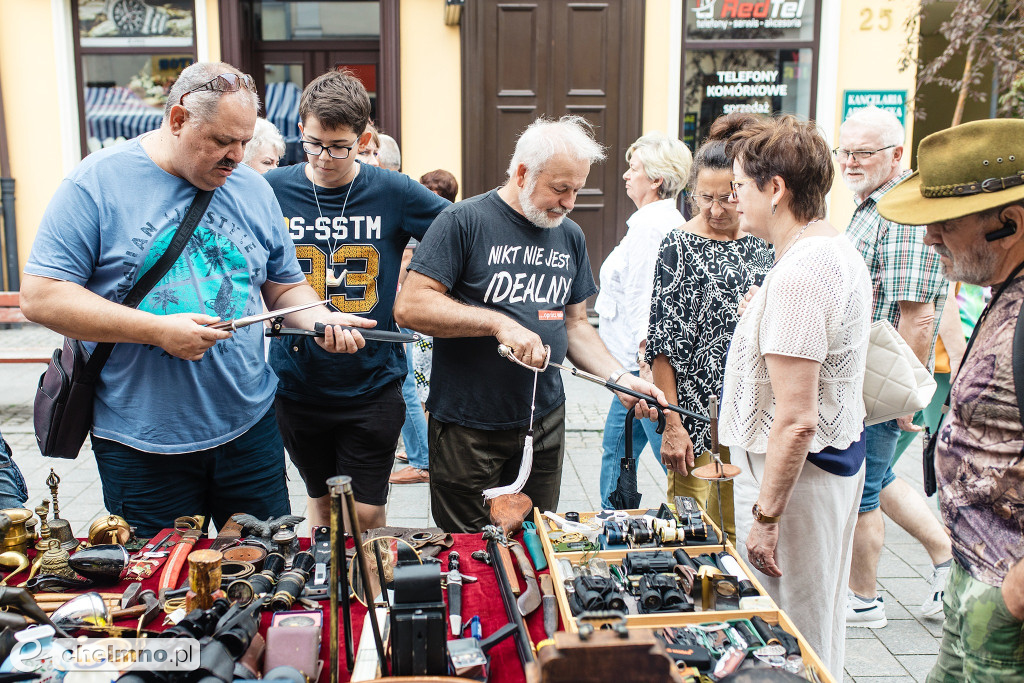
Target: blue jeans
(150, 490)
(881, 446)
(614, 445)
(13, 491)
(414, 431)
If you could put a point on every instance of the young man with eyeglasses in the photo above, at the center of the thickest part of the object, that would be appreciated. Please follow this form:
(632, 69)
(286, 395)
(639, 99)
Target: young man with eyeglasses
(908, 291)
(350, 223)
(183, 420)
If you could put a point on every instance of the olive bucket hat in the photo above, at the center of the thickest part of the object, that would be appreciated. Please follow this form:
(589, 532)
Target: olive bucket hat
(961, 171)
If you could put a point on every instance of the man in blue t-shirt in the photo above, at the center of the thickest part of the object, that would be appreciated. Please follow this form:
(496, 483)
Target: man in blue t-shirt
(350, 223)
(183, 422)
(507, 267)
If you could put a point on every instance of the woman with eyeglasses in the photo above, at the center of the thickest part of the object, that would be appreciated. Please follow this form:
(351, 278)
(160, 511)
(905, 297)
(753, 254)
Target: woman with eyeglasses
(792, 405)
(657, 173)
(703, 270)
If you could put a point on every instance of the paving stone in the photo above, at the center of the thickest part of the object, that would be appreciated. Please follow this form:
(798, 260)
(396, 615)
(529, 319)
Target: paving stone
(891, 565)
(881, 679)
(868, 657)
(907, 637)
(908, 592)
(917, 665)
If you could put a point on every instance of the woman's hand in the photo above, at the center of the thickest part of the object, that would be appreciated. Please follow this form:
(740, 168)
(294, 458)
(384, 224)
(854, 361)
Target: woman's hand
(746, 300)
(677, 448)
(761, 543)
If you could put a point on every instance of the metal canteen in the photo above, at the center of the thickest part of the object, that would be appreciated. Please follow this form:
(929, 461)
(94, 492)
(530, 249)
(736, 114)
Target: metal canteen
(101, 563)
(109, 529)
(88, 608)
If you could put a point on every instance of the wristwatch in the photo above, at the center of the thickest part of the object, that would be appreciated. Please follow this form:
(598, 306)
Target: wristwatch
(763, 518)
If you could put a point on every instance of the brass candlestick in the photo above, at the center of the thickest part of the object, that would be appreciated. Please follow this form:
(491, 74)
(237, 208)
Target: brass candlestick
(43, 544)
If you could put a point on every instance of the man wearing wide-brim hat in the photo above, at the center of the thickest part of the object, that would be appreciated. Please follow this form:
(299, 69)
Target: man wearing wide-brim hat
(969, 190)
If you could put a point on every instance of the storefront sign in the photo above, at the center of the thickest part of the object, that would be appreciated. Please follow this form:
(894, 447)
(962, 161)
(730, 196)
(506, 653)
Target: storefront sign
(732, 15)
(894, 101)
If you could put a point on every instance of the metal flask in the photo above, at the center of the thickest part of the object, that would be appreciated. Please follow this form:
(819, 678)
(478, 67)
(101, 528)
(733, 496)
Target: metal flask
(101, 563)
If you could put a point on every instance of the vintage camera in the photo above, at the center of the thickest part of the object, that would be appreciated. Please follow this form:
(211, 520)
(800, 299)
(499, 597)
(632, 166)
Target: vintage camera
(594, 594)
(661, 593)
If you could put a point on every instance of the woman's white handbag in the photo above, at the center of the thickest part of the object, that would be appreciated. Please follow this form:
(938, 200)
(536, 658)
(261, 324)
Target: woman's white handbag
(895, 383)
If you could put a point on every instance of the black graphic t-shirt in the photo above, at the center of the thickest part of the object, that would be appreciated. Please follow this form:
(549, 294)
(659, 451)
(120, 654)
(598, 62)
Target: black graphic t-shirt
(361, 228)
(488, 255)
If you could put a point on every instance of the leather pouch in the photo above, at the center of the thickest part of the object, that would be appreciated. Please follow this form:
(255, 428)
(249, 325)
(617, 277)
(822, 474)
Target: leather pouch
(296, 646)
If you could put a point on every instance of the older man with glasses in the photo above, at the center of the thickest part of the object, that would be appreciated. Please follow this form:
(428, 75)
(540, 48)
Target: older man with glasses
(908, 291)
(183, 421)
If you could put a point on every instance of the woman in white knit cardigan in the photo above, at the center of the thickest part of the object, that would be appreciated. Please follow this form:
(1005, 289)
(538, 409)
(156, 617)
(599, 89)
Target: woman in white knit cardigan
(792, 411)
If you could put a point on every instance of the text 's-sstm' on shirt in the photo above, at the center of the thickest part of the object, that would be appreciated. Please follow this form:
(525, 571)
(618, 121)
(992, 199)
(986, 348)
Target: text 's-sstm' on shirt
(111, 220)
(489, 255)
(360, 228)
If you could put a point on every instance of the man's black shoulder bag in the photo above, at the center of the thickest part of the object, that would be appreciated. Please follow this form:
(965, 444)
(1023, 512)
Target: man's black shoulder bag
(62, 411)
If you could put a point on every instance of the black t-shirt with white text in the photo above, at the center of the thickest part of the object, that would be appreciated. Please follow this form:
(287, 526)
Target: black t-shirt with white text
(361, 228)
(489, 255)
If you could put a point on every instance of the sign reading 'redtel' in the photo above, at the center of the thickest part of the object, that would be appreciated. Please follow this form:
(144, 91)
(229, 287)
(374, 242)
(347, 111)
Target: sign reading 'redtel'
(747, 15)
(776, 9)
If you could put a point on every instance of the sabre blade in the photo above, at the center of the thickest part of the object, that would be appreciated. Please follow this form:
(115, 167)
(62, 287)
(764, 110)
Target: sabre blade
(252, 319)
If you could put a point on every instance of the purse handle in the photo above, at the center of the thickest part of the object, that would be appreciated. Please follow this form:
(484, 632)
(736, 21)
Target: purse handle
(144, 284)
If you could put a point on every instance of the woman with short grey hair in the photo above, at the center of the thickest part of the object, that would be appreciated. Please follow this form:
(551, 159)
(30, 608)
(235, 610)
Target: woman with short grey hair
(657, 173)
(266, 148)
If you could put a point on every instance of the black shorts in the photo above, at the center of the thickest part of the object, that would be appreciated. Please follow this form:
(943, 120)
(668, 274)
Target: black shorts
(358, 440)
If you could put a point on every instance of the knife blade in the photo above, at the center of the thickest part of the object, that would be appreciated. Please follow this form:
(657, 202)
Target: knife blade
(530, 599)
(454, 594)
(547, 591)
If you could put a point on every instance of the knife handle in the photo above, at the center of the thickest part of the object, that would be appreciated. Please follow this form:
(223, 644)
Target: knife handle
(510, 569)
(524, 562)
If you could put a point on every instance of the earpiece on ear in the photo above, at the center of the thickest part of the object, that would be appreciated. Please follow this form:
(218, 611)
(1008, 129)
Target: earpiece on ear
(1009, 228)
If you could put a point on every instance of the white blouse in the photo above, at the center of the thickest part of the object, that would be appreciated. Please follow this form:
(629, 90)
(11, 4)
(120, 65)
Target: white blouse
(627, 280)
(815, 303)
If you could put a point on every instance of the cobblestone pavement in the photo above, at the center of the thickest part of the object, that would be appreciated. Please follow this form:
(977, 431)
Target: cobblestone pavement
(902, 651)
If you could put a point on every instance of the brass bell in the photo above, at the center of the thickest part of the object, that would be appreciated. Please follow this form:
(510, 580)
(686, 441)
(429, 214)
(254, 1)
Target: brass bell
(55, 561)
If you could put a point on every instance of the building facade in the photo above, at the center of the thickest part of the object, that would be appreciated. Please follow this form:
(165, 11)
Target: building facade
(453, 82)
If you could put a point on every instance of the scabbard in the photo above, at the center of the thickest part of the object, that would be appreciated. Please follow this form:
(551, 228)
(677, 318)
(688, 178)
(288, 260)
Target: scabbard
(510, 568)
(455, 606)
(550, 605)
(176, 561)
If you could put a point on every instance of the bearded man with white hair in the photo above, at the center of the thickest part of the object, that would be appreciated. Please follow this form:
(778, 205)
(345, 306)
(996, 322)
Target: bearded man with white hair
(507, 267)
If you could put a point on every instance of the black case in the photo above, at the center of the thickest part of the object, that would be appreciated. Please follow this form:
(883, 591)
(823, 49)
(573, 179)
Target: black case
(418, 625)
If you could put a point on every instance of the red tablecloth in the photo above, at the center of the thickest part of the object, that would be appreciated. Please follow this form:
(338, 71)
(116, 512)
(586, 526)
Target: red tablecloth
(480, 598)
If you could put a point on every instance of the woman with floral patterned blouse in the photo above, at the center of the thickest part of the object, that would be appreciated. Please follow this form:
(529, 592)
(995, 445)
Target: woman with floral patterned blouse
(704, 269)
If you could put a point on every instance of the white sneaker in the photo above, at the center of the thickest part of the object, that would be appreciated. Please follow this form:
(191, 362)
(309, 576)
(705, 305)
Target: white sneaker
(865, 614)
(933, 603)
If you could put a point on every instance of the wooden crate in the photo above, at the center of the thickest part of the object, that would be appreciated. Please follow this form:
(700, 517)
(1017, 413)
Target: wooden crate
(771, 614)
(544, 525)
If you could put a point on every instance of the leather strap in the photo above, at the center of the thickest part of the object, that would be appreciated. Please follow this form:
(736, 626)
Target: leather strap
(227, 535)
(148, 280)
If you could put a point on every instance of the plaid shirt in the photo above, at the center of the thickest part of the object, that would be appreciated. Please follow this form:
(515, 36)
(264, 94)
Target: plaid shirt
(901, 266)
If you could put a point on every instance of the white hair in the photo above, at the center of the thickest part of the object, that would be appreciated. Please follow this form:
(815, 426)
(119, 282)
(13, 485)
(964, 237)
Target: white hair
(663, 158)
(203, 103)
(885, 123)
(389, 156)
(265, 134)
(572, 136)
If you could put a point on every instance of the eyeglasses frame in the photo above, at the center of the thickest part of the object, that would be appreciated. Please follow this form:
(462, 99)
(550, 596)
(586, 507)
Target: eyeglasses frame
(858, 155)
(348, 149)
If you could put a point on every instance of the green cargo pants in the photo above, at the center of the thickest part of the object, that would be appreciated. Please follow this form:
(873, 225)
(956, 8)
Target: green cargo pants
(981, 641)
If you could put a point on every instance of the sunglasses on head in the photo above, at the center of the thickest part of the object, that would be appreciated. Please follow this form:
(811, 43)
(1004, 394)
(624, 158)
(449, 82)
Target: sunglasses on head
(228, 82)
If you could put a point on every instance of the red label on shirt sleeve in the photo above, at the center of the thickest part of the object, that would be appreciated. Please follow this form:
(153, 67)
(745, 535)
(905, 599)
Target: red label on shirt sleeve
(550, 315)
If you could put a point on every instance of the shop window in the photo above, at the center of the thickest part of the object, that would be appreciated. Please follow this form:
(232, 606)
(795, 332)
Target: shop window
(129, 54)
(756, 56)
(760, 81)
(353, 20)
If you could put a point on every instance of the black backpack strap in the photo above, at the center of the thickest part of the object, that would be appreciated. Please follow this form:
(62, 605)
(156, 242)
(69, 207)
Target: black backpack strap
(144, 284)
(1018, 363)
